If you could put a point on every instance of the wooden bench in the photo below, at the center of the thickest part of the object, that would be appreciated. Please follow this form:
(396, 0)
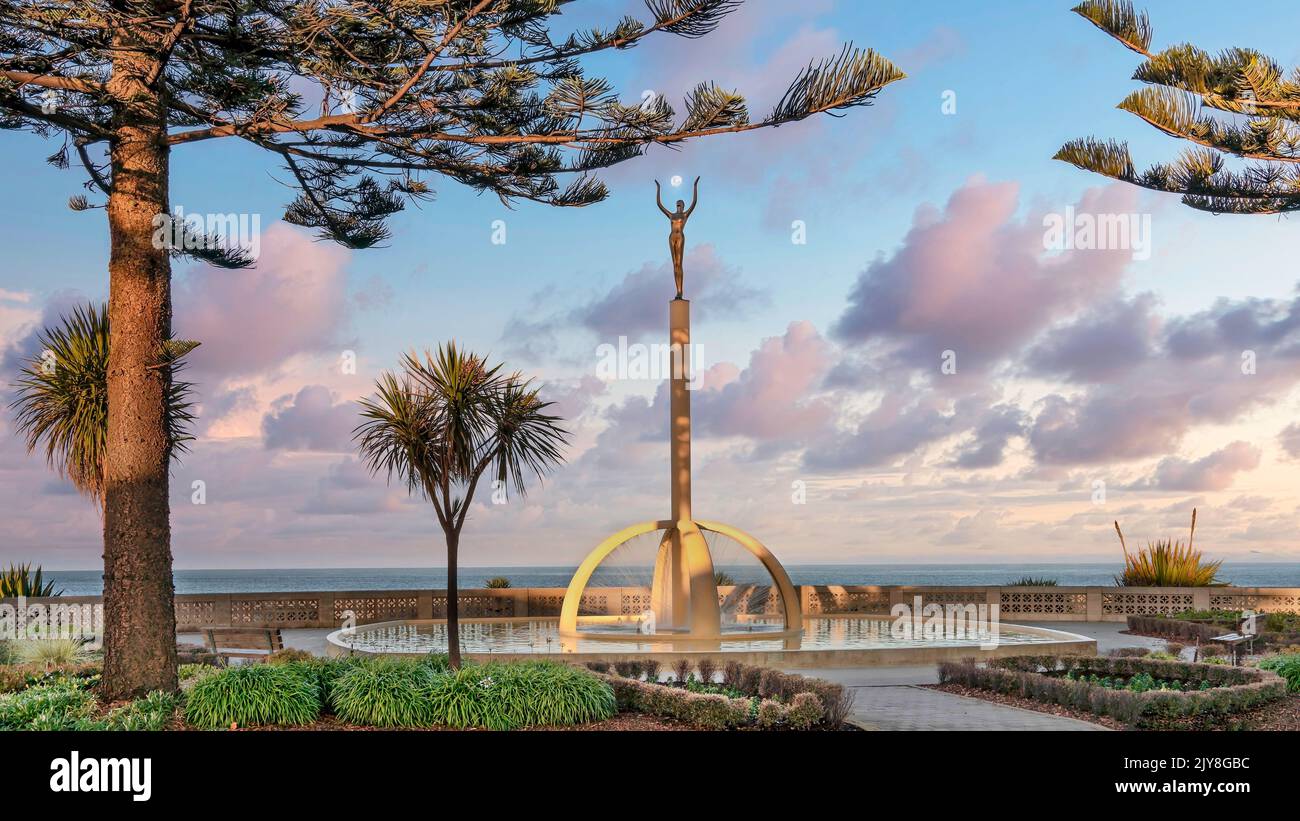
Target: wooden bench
(243, 642)
(1235, 641)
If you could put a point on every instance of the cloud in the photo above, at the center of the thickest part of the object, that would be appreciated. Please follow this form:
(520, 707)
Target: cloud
(21, 327)
(899, 425)
(1289, 439)
(1191, 374)
(1213, 472)
(293, 301)
(972, 279)
(309, 420)
(989, 443)
(635, 306)
(773, 399)
(1109, 339)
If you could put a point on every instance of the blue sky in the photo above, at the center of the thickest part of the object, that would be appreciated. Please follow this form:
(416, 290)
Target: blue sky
(1027, 76)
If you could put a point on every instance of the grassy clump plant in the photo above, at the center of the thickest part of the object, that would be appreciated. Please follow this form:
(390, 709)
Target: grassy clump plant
(49, 652)
(252, 695)
(383, 692)
(1166, 563)
(59, 704)
(23, 580)
(1286, 665)
(153, 712)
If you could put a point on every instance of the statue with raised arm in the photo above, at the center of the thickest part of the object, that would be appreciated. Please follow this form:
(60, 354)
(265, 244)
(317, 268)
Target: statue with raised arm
(676, 235)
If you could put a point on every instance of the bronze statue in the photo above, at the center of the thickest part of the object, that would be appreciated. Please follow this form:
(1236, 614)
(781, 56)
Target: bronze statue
(676, 236)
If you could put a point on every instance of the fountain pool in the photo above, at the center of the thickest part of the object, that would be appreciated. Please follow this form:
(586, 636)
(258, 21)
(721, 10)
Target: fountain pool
(826, 641)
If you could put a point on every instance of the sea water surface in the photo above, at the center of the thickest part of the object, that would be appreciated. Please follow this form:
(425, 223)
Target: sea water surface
(289, 580)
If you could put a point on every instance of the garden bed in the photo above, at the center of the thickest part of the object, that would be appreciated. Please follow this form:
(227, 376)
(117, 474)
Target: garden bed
(295, 691)
(1133, 691)
(738, 697)
(1275, 631)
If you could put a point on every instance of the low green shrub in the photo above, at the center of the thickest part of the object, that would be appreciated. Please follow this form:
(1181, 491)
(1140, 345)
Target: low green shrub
(1031, 581)
(251, 695)
(1286, 665)
(289, 655)
(771, 714)
(520, 694)
(54, 652)
(1068, 681)
(746, 681)
(153, 712)
(437, 662)
(713, 711)
(21, 676)
(59, 704)
(382, 692)
(805, 712)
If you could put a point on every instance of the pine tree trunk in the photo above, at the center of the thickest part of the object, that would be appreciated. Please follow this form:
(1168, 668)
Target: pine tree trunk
(453, 601)
(139, 611)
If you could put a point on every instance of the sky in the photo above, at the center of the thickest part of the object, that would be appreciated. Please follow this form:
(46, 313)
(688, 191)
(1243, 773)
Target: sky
(894, 366)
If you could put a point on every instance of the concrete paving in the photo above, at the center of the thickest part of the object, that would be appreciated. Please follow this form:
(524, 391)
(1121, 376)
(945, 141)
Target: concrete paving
(909, 708)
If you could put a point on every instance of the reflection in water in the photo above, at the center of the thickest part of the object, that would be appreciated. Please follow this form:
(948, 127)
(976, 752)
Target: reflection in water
(542, 636)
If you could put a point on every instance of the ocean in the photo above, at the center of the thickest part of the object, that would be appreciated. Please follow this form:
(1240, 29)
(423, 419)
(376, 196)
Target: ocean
(89, 582)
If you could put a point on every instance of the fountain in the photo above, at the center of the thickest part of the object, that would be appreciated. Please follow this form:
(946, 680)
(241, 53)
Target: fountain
(684, 616)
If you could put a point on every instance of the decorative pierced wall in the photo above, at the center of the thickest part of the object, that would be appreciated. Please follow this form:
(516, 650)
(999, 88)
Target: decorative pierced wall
(591, 604)
(476, 607)
(750, 600)
(848, 601)
(1264, 602)
(196, 613)
(377, 608)
(632, 604)
(1145, 604)
(1016, 602)
(959, 597)
(286, 612)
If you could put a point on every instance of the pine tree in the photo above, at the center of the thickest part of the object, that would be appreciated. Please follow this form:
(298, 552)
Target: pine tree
(1238, 103)
(399, 91)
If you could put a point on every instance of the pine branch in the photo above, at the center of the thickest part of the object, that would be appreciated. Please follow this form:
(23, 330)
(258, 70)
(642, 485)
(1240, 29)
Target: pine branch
(711, 107)
(853, 78)
(1118, 19)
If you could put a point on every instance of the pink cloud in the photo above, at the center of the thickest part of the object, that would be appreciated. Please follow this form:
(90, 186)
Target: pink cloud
(293, 301)
(1213, 472)
(973, 279)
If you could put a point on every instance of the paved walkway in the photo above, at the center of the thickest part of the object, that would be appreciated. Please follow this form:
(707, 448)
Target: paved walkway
(907, 707)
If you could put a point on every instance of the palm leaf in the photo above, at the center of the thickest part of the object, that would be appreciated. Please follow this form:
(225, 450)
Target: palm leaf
(61, 402)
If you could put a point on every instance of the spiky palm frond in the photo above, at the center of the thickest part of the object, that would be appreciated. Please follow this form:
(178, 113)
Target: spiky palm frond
(61, 402)
(22, 580)
(1166, 563)
(1187, 87)
(450, 418)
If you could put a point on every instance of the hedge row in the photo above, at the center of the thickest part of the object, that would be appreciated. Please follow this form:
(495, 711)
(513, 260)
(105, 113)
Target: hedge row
(1200, 631)
(714, 711)
(1234, 689)
(1174, 628)
(748, 679)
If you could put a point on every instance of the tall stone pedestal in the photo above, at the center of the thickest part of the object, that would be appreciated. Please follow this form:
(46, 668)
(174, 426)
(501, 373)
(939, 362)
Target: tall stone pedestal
(684, 592)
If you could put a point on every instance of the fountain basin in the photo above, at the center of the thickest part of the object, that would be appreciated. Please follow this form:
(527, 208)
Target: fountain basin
(826, 641)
